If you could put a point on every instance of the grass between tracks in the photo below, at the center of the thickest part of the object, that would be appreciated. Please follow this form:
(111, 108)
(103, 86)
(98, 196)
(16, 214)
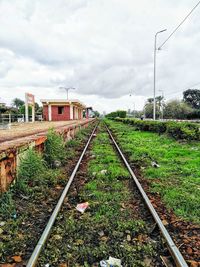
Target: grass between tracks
(177, 179)
(25, 208)
(108, 227)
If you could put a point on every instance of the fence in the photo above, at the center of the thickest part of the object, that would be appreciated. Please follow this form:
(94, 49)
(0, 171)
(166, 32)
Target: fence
(7, 119)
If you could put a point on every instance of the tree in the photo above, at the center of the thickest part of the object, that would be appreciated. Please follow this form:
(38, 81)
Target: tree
(96, 113)
(176, 109)
(192, 98)
(148, 108)
(17, 103)
(118, 113)
(22, 109)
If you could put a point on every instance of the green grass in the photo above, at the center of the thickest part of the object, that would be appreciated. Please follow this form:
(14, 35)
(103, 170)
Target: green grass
(80, 243)
(177, 179)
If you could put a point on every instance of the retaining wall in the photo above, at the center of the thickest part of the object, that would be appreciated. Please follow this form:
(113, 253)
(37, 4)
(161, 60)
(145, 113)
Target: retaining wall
(10, 157)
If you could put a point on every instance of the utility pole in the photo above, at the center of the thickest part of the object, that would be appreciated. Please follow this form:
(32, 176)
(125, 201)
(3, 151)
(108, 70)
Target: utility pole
(154, 80)
(67, 90)
(162, 104)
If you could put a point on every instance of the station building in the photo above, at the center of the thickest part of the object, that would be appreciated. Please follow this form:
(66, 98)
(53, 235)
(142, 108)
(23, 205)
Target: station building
(63, 110)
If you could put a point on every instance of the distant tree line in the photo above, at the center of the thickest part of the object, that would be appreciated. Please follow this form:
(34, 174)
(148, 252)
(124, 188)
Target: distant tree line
(187, 108)
(18, 107)
(115, 114)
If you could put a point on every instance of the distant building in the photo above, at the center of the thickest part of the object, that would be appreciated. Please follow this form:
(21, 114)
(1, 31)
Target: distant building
(63, 110)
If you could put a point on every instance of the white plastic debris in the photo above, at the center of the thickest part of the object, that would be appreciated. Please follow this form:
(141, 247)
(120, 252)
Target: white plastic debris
(111, 262)
(103, 171)
(82, 207)
(57, 163)
(154, 164)
(2, 223)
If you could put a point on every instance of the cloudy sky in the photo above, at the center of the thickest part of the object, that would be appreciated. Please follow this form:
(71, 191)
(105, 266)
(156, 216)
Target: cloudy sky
(103, 48)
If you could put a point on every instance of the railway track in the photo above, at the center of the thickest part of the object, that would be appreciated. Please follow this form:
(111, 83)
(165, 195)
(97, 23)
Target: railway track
(178, 259)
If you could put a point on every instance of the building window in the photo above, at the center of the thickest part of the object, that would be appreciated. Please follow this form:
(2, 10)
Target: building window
(60, 110)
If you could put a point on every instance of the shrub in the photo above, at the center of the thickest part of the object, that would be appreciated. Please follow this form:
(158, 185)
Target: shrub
(188, 131)
(118, 113)
(177, 130)
(30, 172)
(54, 149)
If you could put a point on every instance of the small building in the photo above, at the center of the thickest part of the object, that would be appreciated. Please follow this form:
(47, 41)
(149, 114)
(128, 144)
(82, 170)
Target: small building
(62, 110)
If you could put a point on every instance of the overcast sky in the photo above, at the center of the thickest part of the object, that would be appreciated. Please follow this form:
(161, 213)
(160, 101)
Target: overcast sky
(103, 48)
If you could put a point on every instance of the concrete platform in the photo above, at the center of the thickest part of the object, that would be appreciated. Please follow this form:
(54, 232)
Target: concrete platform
(15, 141)
(18, 130)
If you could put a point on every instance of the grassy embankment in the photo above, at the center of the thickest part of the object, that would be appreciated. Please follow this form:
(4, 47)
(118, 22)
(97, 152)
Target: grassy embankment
(24, 209)
(177, 179)
(109, 227)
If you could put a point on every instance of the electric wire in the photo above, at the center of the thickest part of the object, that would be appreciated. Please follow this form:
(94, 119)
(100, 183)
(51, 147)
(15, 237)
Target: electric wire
(178, 26)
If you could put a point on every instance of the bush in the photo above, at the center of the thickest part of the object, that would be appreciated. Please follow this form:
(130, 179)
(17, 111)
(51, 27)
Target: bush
(188, 131)
(54, 148)
(151, 126)
(118, 113)
(177, 130)
(31, 171)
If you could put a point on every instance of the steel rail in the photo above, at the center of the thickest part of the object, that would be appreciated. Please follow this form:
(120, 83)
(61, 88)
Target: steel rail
(177, 256)
(34, 257)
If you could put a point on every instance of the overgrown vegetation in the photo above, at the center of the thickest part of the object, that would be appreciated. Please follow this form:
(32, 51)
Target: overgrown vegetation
(33, 172)
(177, 179)
(25, 208)
(54, 149)
(109, 227)
(177, 130)
(115, 114)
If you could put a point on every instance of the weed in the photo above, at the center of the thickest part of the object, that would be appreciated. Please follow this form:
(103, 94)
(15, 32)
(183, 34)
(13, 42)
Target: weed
(54, 149)
(177, 179)
(7, 205)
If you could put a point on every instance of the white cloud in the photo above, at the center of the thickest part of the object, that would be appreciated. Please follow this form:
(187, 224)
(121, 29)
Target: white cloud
(104, 48)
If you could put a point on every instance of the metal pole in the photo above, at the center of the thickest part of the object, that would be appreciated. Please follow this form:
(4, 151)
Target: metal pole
(162, 104)
(154, 80)
(26, 107)
(67, 89)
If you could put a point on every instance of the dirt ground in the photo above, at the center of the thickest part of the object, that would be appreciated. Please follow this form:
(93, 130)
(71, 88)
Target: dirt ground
(26, 129)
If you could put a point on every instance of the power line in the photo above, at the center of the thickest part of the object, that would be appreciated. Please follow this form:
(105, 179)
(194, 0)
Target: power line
(179, 25)
(188, 87)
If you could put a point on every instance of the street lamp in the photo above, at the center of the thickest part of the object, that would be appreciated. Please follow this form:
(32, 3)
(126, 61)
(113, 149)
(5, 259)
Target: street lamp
(154, 80)
(67, 90)
(162, 102)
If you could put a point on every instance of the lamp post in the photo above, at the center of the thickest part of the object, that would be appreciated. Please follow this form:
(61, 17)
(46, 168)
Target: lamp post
(67, 90)
(154, 80)
(162, 103)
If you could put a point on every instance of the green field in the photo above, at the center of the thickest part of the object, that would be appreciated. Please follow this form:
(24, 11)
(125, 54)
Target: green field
(177, 179)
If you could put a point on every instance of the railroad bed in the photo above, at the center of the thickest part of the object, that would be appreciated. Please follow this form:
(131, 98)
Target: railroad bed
(120, 221)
